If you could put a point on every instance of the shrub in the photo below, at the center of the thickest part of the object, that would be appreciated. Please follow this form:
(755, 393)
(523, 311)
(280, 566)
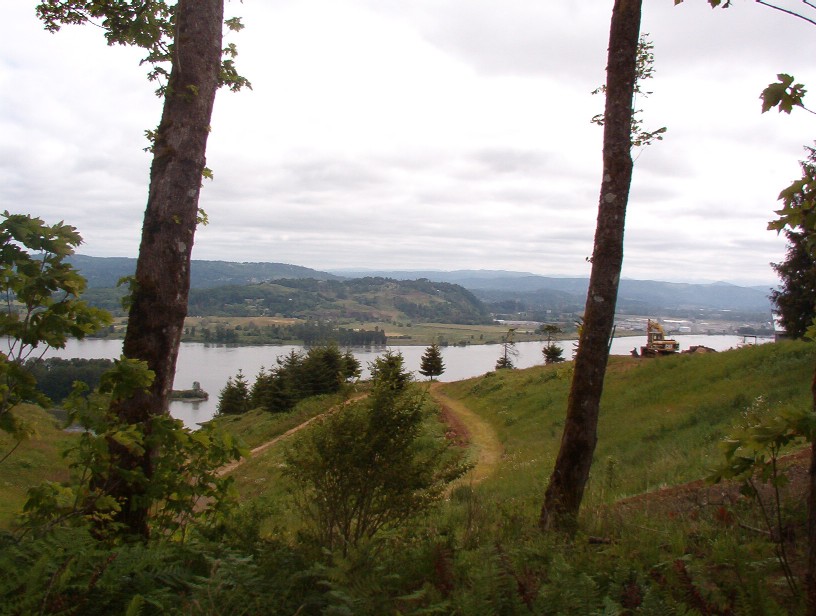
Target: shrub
(371, 465)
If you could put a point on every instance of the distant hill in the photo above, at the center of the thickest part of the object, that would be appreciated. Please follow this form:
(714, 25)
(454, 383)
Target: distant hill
(536, 293)
(503, 291)
(105, 272)
(362, 299)
(440, 276)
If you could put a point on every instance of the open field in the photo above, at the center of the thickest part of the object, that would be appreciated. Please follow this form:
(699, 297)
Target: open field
(398, 333)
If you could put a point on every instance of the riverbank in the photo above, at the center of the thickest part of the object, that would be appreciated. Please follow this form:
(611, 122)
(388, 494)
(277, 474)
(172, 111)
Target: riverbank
(212, 364)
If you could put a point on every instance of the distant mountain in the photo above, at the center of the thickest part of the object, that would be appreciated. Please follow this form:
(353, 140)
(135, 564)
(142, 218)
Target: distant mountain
(503, 291)
(437, 275)
(537, 293)
(104, 272)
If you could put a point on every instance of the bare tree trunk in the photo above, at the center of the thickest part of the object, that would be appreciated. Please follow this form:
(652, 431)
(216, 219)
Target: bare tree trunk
(162, 283)
(565, 491)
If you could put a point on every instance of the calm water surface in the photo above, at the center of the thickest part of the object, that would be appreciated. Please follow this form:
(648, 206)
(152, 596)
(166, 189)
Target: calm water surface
(211, 365)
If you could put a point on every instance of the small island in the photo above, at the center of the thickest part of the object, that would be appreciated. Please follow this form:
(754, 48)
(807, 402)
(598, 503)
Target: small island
(196, 394)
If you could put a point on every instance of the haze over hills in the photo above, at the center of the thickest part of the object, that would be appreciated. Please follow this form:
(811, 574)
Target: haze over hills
(105, 272)
(636, 296)
(503, 291)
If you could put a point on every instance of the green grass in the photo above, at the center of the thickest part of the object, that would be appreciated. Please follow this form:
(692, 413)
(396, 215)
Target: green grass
(480, 551)
(660, 420)
(260, 476)
(660, 424)
(37, 459)
(258, 426)
(413, 333)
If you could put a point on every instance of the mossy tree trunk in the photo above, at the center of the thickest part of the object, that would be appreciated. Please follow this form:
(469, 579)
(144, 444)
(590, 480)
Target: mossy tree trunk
(565, 490)
(162, 281)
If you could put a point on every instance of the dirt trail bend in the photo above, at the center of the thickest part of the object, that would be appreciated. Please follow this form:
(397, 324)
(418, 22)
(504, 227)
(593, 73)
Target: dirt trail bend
(477, 432)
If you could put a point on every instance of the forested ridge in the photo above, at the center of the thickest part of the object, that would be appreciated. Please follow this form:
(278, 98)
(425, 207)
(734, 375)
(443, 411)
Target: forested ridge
(363, 299)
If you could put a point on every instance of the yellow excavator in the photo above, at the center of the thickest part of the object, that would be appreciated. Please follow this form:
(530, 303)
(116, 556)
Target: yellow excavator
(657, 343)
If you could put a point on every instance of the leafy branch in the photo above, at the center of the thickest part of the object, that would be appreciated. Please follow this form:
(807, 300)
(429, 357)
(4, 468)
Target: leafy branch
(148, 24)
(645, 70)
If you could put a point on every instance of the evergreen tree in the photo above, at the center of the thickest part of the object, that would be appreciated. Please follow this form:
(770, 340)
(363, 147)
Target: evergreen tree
(351, 366)
(272, 391)
(322, 371)
(234, 398)
(388, 371)
(553, 354)
(431, 364)
(509, 351)
(796, 299)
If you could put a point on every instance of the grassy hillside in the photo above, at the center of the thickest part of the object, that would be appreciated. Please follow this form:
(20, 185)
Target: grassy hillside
(660, 420)
(35, 460)
(701, 551)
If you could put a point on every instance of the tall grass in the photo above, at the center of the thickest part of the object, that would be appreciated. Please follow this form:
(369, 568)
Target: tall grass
(37, 459)
(480, 552)
(660, 419)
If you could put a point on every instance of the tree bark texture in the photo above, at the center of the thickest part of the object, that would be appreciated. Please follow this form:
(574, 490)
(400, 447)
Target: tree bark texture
(162, 281)
(810, 574)
(565, 491)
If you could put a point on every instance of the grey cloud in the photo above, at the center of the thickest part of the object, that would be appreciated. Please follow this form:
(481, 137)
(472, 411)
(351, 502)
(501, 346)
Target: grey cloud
(513, 161)
(516, 37)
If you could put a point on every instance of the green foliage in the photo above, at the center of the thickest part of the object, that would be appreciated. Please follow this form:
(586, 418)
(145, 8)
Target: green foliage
(362, 299)
(553, 354)
(234, 399)
(797, 219)
(478, 552)
(798, 212)
(56, 376)
(42, 306)
(68, 572)
(796, 297)
(756, 444)
(645, 70)
(388, 371)
(784, 94)
(321, 370)
(183, 484)
(148, 25)
(431, 363)
(509, 351)
(370, 466)
(752, 452)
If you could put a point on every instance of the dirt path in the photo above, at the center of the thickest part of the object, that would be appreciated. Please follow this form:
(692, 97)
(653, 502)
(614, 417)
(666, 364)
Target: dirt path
(471, 429)
(467, 427)
(228, 468)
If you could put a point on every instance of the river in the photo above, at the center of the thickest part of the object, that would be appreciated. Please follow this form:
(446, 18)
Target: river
(211, 365)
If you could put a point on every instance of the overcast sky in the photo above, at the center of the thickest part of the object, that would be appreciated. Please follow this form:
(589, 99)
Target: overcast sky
(425, 134)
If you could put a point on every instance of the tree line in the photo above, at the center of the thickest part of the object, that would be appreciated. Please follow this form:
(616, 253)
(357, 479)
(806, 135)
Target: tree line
(320, 370)
(308, 333)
